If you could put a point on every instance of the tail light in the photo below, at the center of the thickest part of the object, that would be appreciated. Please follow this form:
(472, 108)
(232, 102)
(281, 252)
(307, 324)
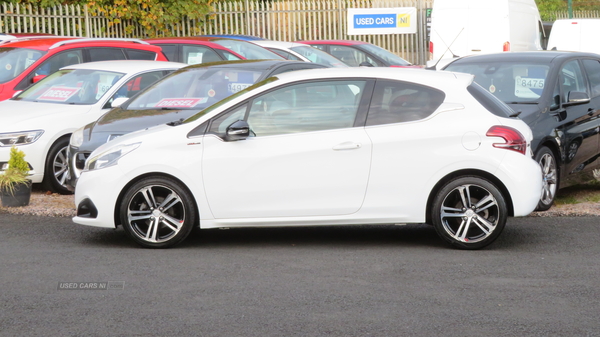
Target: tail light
(506, 46)
(514, 140)
(430, 49)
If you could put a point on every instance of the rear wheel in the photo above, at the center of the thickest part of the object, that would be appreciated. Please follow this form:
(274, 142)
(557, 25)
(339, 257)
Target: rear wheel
(469, 212)
(158, 212)
(56, 172)
(545, 157)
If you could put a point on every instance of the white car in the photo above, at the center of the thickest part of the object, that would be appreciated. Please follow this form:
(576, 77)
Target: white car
(322, 147)
(40, 119)
(300, 52)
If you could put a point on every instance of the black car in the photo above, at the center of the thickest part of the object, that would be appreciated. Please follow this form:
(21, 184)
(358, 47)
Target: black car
(171, 100)
(558, 95)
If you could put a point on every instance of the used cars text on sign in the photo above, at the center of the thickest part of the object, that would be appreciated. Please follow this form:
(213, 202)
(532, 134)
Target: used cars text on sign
(400, 20)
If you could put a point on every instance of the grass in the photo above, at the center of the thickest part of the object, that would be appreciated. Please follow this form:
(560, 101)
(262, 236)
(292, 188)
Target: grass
(588, 192)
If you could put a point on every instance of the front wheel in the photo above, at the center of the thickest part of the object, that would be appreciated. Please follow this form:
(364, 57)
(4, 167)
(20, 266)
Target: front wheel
(545, 157)
(158, 212)
(56, 171)
(469, 212)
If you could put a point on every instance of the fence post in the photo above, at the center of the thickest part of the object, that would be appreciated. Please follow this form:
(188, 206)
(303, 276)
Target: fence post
(247, 17)
(87, 21)
(340, 19)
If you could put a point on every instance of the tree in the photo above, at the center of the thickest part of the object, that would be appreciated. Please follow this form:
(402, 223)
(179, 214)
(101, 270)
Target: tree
(154, 15)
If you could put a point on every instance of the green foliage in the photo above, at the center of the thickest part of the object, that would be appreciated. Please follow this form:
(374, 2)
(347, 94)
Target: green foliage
(17, 171)
(156, 16)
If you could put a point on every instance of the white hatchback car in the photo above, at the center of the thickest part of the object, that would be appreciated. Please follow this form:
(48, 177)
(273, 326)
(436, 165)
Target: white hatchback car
(300, 52)
(40, 119)
(322, 147)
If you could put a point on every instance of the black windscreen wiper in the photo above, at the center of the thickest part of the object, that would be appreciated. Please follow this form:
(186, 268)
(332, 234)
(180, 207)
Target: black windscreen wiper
(524, 102)
(516, 114)
(175, 123)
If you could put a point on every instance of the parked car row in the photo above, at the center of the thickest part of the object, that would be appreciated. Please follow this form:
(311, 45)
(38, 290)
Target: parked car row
(234, 135)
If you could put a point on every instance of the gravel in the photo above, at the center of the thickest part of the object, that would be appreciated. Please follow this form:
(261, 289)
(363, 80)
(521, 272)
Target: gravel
(45, 203)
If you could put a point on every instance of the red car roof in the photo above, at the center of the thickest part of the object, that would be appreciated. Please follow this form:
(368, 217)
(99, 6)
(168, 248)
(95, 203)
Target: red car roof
(42, 43)
(186, 40)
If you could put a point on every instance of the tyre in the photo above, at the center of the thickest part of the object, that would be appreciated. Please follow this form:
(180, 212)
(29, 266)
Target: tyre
(56, 171)
(545, 157)
(469, 212)
(158, 212)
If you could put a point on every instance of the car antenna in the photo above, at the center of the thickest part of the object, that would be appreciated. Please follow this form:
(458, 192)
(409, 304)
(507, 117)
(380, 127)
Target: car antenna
(447, 49)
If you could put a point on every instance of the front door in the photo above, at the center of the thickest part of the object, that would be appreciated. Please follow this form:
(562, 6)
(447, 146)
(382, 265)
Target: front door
(305, 157)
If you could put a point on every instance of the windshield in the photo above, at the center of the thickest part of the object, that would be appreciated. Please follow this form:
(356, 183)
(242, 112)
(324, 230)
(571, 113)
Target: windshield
(318, 56)
(388, 56)
(230, 98)
(69, 86)
(13, 61)
(194, 88)
(511, 82)
(248, 50)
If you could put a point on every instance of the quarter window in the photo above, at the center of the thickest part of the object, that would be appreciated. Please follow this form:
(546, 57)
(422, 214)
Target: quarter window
(398, 102)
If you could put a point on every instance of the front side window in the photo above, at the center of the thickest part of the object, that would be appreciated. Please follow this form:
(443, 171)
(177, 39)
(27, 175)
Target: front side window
(199, 54)
(248, 50)
(512, 82)
(304, 107)
(69, 86)
(592, 68)
(318, 56)
(571, 79)
(351, 56)
(398, 102)
(13, 61)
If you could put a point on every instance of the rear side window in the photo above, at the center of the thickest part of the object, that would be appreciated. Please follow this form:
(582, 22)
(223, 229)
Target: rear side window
(399, 102)
(106, 54)
(135, 54)
(489, 101)
(170, 52)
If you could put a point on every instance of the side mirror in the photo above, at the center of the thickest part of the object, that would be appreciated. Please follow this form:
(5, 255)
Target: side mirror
(118, 102)
(17, 93)
(365, 64)
(238, 130)
(577, 97)
(37, 78)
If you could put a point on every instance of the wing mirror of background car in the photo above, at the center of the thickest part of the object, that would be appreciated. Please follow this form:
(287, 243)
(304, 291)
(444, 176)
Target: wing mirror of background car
(576, 98)
(37, 78)
(17, 93)
(365, 64)
(238, 130)
(118, 101)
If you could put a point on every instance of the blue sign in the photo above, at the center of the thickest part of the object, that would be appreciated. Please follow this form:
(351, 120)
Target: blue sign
(374, 21)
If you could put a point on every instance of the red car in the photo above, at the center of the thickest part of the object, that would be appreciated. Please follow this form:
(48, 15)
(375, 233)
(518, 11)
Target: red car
(25, 61)
(194, 50)
(359, 53)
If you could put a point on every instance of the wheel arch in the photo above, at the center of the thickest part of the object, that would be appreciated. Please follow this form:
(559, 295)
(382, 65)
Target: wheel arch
(119, 200)
(471, 172)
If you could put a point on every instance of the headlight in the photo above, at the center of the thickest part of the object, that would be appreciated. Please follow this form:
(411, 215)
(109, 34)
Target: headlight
(77, 137)
(20, 138)
(109, 157)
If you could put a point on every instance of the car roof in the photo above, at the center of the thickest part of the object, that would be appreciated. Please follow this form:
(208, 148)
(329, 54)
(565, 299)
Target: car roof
(251, 65)
(339, 42)
(127, 66)
(185, 40)
(51, 42)
(444, 79)
(538, 55)
(277, 44)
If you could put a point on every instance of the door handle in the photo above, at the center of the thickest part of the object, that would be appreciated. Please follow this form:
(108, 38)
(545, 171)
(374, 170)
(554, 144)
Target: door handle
(347, 146)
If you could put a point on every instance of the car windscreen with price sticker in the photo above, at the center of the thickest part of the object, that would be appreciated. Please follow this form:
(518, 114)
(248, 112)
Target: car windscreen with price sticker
(195, 88)
(509, 81)
(71, 86)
